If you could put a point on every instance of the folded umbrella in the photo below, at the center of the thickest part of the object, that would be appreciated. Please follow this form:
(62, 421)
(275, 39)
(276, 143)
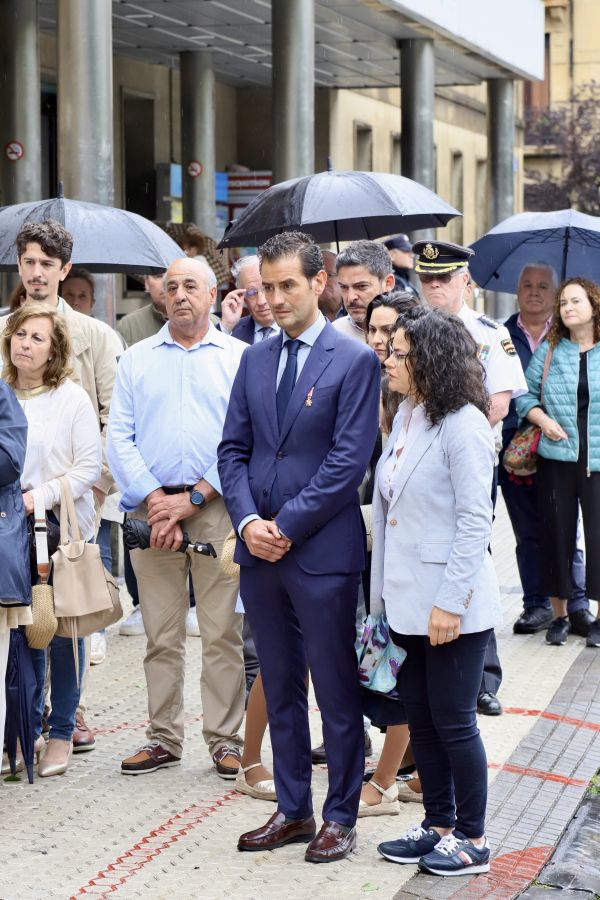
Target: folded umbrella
(566, 240)
(20, 698)
(105, 239)
(339, 206)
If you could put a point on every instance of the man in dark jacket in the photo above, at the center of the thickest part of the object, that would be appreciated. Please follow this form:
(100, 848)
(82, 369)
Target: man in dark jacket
(528, 329)
(400, 249)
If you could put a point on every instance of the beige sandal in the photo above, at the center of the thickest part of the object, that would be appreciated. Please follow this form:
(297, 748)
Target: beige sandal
(405, 793)
(262, 790)
(388, 805)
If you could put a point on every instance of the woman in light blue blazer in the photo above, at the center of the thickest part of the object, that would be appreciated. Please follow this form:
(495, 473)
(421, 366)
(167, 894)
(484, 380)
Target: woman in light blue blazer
(433, 574)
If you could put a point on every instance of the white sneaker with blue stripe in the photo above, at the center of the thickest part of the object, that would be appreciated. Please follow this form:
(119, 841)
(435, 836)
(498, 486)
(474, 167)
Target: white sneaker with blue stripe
(411, 847)
(456, 855)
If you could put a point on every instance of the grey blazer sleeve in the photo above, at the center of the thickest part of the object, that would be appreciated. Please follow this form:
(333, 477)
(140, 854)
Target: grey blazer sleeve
(470, 448)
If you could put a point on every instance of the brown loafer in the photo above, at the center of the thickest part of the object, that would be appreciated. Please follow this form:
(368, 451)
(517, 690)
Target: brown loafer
(83, 736)
(148, 759)
(228, 772)
(333, 842)
(277, 833)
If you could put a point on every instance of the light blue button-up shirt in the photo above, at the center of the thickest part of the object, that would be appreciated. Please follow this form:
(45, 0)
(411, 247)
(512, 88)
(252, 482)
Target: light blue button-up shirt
(258, 337)
(167, 412)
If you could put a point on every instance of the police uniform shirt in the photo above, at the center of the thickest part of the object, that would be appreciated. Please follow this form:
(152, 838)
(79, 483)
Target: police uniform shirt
(503, 370)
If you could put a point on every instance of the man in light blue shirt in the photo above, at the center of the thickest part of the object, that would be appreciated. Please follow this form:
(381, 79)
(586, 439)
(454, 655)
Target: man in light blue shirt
(169, 403)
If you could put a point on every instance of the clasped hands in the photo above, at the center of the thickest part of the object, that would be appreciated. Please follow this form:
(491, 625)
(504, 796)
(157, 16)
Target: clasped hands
(166, 511)
(443, 627)
(264, 540)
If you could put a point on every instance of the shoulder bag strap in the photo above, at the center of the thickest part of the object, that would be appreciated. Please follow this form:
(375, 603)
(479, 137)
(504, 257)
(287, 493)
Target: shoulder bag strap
(547, 362)
(67, 513)
(40, 530)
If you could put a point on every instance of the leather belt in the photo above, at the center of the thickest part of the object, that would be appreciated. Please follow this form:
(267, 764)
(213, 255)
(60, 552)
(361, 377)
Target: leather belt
(178, 488)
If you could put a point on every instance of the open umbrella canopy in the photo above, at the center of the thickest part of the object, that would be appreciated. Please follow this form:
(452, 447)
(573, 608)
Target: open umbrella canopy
(566, 239)
(105, 239)
(339, 206)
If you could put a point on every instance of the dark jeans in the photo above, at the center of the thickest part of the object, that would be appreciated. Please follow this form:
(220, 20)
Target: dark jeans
(439, 687)
(63, 686)
(522, 504)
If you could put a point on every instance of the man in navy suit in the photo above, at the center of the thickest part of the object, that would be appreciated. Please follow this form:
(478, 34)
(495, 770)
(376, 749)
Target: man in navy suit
(260, 324)
(299, 431)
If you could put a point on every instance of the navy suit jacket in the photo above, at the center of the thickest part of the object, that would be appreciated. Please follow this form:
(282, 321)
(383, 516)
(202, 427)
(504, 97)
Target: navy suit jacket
(519, 339)
(244, 330)
(320, 455)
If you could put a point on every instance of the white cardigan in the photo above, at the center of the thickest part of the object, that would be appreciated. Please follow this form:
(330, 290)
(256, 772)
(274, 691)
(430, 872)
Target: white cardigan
(63, 438)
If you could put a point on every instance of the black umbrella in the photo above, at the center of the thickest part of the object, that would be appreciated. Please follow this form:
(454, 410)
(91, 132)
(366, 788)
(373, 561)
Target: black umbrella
(136, 535)
(339, 206)
(20, 696)
(105, 239)
(566, 240)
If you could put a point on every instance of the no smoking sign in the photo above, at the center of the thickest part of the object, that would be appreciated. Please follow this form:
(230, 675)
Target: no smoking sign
(194, 168)
(14, 151)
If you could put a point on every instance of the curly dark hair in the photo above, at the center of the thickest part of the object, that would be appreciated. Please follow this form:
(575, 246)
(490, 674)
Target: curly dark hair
(293, 243)
(55, 241)
(558, 329)
(443, 363)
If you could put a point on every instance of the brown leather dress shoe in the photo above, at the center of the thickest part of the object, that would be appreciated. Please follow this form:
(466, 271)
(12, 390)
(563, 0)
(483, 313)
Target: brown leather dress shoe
(333, 842)
(83, 736)
(277, 832)
(227, 772)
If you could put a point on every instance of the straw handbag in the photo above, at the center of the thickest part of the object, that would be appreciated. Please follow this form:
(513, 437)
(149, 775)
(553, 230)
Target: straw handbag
(42, 630)
(521, 454)
(86, 596)
(228, 566)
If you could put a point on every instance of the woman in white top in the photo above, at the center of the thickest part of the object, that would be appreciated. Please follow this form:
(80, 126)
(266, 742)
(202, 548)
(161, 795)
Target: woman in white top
(432, 572)
(63, 439)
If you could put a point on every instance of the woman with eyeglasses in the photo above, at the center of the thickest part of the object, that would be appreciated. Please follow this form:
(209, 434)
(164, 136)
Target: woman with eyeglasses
(433, 575)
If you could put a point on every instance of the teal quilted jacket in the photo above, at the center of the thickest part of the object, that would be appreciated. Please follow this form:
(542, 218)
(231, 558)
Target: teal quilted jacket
(560, 400)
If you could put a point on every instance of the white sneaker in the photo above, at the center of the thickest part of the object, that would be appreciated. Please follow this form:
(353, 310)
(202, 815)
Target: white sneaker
(133, 624)
(98, 648)
(191, 623)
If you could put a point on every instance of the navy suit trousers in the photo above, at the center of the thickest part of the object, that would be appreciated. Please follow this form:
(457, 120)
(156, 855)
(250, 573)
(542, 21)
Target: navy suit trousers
(299, 619)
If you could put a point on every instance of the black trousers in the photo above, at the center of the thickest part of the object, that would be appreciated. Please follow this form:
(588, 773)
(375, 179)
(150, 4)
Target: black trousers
(563, 487)
(439, 687)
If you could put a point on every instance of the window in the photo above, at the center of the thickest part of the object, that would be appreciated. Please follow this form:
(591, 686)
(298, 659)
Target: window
(363, 147)
(456, 196)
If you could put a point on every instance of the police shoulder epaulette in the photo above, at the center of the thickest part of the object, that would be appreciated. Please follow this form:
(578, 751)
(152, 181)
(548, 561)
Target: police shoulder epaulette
(489, 322)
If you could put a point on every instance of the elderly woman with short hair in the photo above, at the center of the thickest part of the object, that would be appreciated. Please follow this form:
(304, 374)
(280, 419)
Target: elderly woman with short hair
(63, 439)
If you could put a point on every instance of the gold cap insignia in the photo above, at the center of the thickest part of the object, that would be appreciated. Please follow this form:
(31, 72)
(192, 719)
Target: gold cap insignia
(431, 252)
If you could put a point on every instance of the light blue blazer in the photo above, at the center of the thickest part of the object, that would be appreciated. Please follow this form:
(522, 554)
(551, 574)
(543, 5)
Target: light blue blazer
(430, 542)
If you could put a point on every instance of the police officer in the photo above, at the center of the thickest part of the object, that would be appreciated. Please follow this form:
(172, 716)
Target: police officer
(443, 271)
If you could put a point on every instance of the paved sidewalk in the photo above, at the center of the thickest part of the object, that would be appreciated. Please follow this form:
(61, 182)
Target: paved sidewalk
(173, 834)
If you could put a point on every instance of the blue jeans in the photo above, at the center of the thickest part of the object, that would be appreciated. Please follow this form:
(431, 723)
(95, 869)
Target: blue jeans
(439, 687)
(63, 686)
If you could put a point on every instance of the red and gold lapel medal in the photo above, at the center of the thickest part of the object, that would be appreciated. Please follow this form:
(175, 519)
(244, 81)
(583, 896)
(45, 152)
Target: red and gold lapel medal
(309, 396)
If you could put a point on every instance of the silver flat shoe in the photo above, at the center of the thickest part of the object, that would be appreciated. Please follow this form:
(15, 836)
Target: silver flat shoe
(262, 790)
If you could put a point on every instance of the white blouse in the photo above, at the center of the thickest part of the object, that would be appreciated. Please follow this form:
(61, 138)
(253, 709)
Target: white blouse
(415, 423)
(63, 438)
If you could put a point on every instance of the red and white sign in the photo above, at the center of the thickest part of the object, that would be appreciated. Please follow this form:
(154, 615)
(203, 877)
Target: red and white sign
(14, 151)
(194, 168)
(248, 181)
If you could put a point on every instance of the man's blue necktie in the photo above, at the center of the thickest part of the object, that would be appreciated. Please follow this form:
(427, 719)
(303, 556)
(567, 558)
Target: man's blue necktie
(288, 379)
(265, 332)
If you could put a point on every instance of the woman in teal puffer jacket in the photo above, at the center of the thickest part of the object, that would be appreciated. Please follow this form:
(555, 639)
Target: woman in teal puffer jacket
(568, 473)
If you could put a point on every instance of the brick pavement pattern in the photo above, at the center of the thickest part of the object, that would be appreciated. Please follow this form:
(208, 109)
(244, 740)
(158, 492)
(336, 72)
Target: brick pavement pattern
(173, 834)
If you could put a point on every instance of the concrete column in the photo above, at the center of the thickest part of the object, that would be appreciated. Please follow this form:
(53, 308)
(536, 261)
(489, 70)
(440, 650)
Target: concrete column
(501, 190)
(85, 114)
(198, 139)
(293, 86)
(20, 101)
(417, 82)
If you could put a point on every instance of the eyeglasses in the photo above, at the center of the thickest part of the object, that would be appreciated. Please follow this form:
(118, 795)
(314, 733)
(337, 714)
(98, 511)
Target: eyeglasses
(446, 278)
(397, 355)
(251, 293)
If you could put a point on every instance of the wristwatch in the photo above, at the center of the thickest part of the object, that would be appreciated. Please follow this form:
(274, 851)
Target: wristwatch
(197, 498)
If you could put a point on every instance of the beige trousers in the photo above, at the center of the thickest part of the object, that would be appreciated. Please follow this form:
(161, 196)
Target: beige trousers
(164, 601)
